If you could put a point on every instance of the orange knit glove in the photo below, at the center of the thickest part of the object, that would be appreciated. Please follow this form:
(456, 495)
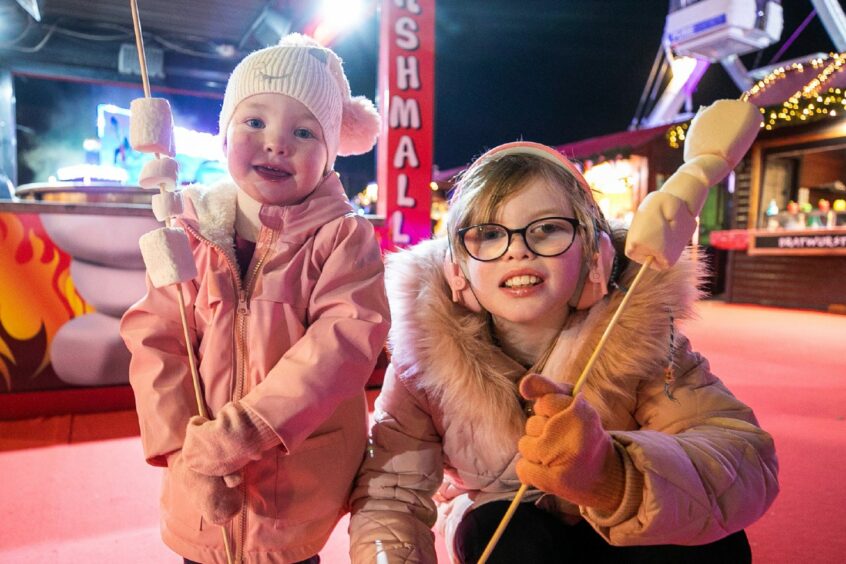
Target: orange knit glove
(565, 449)
(226, 444)
(217, 503)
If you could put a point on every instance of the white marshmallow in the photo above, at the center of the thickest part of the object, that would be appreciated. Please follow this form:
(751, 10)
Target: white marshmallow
(726, 129)
(661, 228)
(166, 205)
(717, 139)
(167, 255)
(156, 172)
(151, 126)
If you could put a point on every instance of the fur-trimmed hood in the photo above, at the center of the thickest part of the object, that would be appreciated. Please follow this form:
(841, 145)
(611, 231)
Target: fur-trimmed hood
(447, 351)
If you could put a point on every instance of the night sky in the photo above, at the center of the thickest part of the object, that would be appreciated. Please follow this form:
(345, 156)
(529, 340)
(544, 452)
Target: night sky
(552, 71)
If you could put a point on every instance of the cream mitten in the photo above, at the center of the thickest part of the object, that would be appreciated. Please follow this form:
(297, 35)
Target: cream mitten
(665, 221)
(566, 451)
(217, 502)
(225, 445)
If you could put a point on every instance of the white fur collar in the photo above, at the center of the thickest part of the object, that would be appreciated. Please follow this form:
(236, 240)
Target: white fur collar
(214, 207)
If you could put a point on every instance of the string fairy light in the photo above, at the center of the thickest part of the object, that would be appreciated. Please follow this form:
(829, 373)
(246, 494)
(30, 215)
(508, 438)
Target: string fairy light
(808, 104)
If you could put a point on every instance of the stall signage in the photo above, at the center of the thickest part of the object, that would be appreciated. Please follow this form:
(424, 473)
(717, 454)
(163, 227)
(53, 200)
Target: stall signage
(406, 104)
(729, 239)
(798, 243)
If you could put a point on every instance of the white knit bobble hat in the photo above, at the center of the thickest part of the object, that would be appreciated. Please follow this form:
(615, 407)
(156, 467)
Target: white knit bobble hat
(301, 68)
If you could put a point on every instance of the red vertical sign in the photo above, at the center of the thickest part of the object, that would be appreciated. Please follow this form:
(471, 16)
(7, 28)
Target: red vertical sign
(407, 106)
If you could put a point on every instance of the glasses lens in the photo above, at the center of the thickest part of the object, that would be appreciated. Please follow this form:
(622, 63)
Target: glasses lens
(550, 236)
(486, 242)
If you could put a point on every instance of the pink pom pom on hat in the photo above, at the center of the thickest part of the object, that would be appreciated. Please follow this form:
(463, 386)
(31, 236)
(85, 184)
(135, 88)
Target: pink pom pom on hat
(303, 69)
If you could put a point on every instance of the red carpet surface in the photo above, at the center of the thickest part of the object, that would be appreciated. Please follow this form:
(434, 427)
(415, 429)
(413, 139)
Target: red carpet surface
(790, 367)
(76, 488)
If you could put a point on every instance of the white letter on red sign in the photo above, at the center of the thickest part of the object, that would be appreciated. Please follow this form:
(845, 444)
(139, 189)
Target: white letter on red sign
(408, 75)
(396, 229)
(403, 199)
(410, 5)
(405, 152)
(405, 29)
(404, 113)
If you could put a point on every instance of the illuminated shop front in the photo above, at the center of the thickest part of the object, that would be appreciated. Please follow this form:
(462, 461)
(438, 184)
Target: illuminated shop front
(787, 242)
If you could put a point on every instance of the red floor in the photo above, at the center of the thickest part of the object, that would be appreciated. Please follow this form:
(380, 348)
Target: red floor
(75, 489)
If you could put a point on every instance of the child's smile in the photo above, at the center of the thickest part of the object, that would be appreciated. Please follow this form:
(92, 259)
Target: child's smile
(522, 282)
(275, 149)
(272, 173)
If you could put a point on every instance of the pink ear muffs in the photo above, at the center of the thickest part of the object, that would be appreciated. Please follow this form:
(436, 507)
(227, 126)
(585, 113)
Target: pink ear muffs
(594, 275)
(459, 285)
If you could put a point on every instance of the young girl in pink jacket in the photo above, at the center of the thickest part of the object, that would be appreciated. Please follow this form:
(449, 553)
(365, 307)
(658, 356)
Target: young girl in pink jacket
(287, 317)
(654, 461)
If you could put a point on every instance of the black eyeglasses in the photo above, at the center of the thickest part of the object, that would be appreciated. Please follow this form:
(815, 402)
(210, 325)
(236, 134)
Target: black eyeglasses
(546, 237)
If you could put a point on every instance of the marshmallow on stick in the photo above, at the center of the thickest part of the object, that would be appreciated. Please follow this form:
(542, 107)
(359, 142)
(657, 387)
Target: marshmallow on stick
(151, 126)
(717, 139)
(154, 134)
(167, 256)
(166, 251)
(158, 173)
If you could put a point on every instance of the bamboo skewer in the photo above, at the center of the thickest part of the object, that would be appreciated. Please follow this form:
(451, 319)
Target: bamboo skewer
(509, 513)
(192, 362)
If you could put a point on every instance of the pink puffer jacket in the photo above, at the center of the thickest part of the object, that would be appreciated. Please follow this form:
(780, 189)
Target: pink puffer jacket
(295, 341)
(448, 419)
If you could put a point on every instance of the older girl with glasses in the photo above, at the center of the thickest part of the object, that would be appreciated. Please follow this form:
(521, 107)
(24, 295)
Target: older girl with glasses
(654, 461)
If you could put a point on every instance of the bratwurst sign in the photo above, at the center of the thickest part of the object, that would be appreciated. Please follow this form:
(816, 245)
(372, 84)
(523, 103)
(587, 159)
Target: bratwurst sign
(406, 103)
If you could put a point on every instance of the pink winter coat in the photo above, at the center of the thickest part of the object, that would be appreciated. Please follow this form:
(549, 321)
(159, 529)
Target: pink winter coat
(448, 420)
(295, 341)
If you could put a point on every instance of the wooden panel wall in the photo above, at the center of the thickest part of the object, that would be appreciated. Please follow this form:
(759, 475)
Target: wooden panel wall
(811, 282)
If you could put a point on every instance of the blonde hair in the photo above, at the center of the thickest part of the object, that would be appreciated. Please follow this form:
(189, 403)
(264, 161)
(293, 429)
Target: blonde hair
(490, 182)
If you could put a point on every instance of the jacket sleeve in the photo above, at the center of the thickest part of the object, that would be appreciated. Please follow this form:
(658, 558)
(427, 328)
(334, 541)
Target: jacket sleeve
(707, 468)
(392, 507)
(348, 322)
(159, 371)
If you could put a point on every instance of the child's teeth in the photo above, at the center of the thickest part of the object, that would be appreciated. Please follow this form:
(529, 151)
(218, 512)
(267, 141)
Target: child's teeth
(525, 280)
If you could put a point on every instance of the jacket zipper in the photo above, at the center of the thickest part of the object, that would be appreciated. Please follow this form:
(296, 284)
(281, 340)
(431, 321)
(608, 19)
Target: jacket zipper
(243, 293)
(243, 311)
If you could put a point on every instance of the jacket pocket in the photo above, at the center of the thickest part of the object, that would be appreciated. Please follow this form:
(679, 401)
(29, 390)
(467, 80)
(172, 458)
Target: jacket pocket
(315, 481)
(178, 512)
(286, 278)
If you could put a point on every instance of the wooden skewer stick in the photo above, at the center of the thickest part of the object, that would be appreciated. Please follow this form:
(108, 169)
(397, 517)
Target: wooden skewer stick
(192, 362)
(509, 513)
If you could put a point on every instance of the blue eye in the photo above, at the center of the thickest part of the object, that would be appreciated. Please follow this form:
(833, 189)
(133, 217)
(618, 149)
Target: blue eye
(547, 228)
(255, 123)
(304, 133)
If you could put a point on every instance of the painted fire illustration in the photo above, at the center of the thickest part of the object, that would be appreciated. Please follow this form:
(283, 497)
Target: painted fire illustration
(37, 296)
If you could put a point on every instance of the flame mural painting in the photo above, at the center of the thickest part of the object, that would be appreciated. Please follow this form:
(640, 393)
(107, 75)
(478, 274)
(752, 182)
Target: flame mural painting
(37, 296)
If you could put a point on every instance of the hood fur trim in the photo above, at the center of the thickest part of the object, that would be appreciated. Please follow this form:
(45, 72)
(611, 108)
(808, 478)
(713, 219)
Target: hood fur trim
(447, 351)
(214, 207)
(449, 348)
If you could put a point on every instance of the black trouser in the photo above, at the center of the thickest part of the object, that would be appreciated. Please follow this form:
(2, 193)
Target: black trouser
(313, 560)
(536, 537)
